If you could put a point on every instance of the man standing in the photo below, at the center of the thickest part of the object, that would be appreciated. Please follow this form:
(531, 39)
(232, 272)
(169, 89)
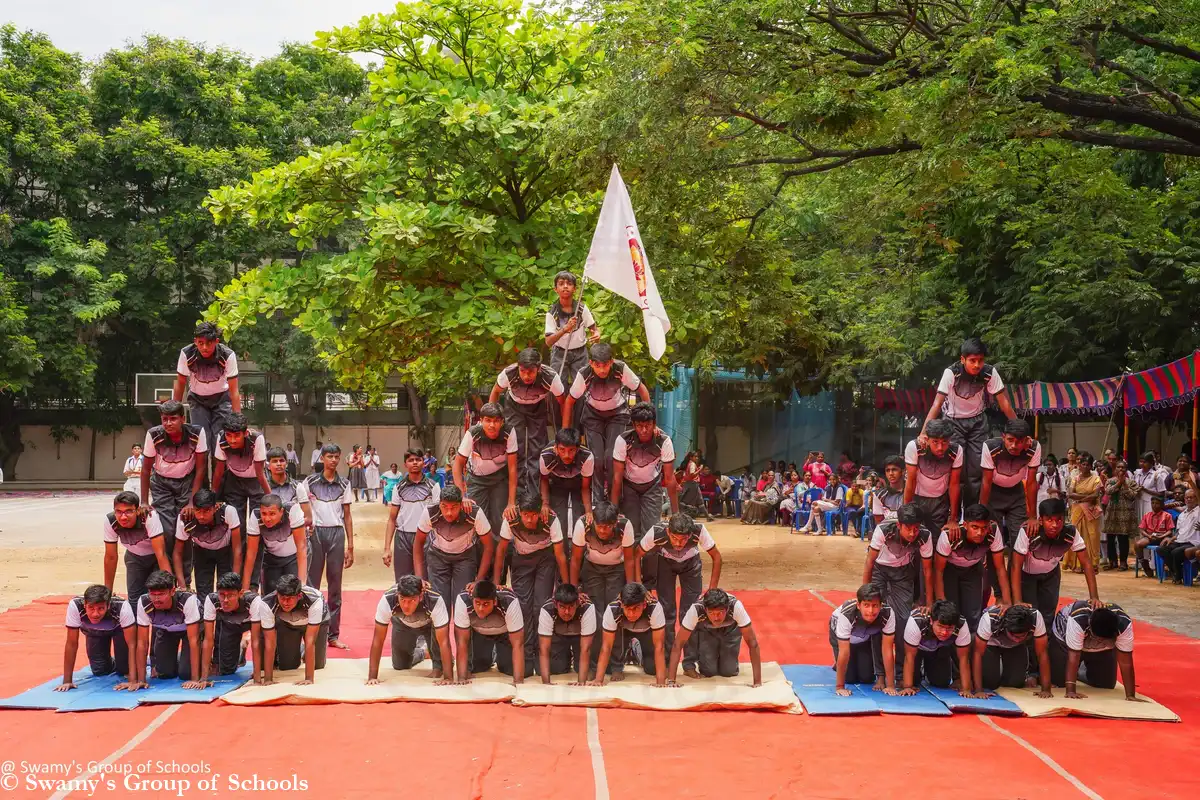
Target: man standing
(133, 470)
(453, 546)
(410, 498)
(643, 463)
(893, 555)
(485, 466)
(527, 386)
(209, 372)
(293, 462)
(566, 471)
(215, 532)
(295, 629)
(175, 466)
(604, 386)
(569, 327)
(720, 624)
(413, 612)
(934, 472)
(276, 540)
(331, 550)
(566, 633)
(490, 630)
(539, 557)
(1186, 535)
(140, 531)
(315, 458)
(108, 626)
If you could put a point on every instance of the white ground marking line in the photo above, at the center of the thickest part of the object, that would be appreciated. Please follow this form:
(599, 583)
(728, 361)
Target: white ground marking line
(821, 597)
(593, 736)
(1045, 759)
(116, 755)
(41, 503)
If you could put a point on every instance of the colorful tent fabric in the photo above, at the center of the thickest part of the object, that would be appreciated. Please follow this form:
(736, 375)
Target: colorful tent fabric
(1161, 387)
(1082, 397)
(906, 401)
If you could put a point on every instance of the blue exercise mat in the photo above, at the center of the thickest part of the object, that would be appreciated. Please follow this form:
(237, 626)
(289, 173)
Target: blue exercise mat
(922, 703)
(814, 688)
(172, 691)
(97, 693)
(993, 705)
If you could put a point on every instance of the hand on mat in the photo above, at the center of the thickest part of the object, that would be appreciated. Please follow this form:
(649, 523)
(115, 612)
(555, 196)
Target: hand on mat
(907, 691)
(1044, 694)
(444, 682)
(754, 685)
(1074, 695)
(672, 684)
(596, 681)
(878, 687)
(511, 513)
(66, 687)
(201, 684)
(265, 681)
(349, 556)
(131, 686)
(842, 692)
(305, 682)
(980, 695)
(372, 681)
(890, 691)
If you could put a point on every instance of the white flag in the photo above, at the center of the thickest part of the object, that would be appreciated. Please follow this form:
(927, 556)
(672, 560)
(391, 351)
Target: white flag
(617, 261)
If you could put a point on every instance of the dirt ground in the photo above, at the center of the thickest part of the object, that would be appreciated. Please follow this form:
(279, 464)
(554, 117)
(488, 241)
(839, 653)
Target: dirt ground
(51, 545)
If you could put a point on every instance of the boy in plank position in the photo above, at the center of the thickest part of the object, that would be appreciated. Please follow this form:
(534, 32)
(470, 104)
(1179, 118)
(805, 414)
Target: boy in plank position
(604, 386)
(893, 555)
(527, 385)
(295, 630)
(1034, 574)
(862, 634)
(168, 631)
(1001, 649)
(488, 454)
(885, 501)
(962, 400)
(566, 634)
(174, 467)
(539, 557)
(566, 470)
(569, 328)
(453, 545)
(643, 463)
(1089, 643)
(209, 372)
(719, 623)
(277, 532)
(140, 531)
(230, 613)
(410, 498)
(934, 470)
(959, 568)
(109, 630)
(928, 637)
(332, 543)
(677, 544)
(214, 531)
(637, 615)
(490, 630)
(413, 612)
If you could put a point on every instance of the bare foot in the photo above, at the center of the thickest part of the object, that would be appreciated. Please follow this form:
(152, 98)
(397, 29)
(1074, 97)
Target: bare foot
(617, 676)
(691, 673)
(338, 644)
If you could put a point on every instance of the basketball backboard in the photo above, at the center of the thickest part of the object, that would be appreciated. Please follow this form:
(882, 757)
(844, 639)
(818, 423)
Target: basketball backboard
(152, 388)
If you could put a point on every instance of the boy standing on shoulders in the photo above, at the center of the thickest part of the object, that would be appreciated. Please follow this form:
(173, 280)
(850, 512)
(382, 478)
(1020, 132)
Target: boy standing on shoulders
(209, 372)
(569, 328)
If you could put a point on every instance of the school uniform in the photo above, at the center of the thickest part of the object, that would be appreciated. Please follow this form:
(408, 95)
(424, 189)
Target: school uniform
(315, 459)
(898, 569)
(641, 629)
(717, 646)
(566, 483)
(886, 502)
(293, 464)
(526, 410)
(104, 641)
(412, 500)
(865, 640)
(452, 548)
(276, 546)
(603, 415)
(139, 552)
(1154, 481)
(966, 409)
(1040, 573)
(566, 636)
(228, 627)
(1098, 657)
(327, 542)
(935, 657)
(134, 482)
(670, 564)
(1005, 662)
(1009, 473)
(208, 386)
(487, 470)
(170, 648)
(291, 626)
(533, 565)
(569, 354)
(290, 493)
(429, 617)
(240, 487)
(171, 477)
(212, 545)
(963, 577)
(932, 492)
(642, 492)
(490, 643)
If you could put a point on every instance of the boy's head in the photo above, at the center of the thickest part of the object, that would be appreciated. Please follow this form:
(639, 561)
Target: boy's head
(414, 461)
(938, 433)
(529, 365)
(972, 355)
(287, 591)
(633, 600)
(450, 503)
(136, 450)
(604, 518)
(566, 601)
(978, 521)
(893, 469)
(270, 510)
(529, 504)
(566, 445)
(277, 460)
(909, 519)
(125, 509)
(1147, 460)
(716, 604)
(1052, 514)
(409, 589)
(483, 597)
(1104, 624)
(491, 418)
(331, 456)
(1016, 436)
(945, 618)
(161, 588)
(171, 415)
(679, 529)
(204, 504)
(645, 420)
(235, 430)
(869, 600)
(229, 591)
(205, 338)
(601, 359)
(564, 285)
(1156, 503)
(95, 602)
(1018, 622)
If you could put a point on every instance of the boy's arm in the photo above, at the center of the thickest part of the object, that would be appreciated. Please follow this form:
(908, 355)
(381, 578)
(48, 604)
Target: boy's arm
(110, 564)
(869, 569)
(1002, 578)
(568, 410)
(927, 567)
(985, 490)
(1016, 561)
(310, 654)
(560, 557)
(218, 476)
(177, 557)
(389, 534)
(485, 560)
(514, 473)
(672, 484)
(681, 639)
(910, 483)
(159, 546)
(659, 637)
(419, 554)
(751, 640)
(69, 653)
(714, 577)
(248, 563)
(463, 635)
(576, 565)
(178, 388)
(200, 472)
(235, 396)
(939, 576)
(935, 410)
(618, 476)
(210, 630)
(348, 521)
(377, 641)
(498, 560)
(261, 474)
(606, 646)
(458, 468)
(1005, 404)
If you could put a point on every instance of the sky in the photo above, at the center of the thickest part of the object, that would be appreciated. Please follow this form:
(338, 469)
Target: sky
(256, 27)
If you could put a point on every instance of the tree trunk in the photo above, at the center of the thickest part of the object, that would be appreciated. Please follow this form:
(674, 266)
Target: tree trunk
(92, 457)
(11, 445)
(422, 429)
(299, 403)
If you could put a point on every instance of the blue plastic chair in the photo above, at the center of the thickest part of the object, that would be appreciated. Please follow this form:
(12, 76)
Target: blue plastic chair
(440, 477)
(737, 496)
(1160, 563)
(1189, 572)
(837, 515)
(1151, 552)
(804, 507)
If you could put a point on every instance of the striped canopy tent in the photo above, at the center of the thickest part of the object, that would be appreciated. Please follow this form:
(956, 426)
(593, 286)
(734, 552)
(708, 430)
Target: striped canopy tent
(1081, 397)
(906, 401)
(1161, 387)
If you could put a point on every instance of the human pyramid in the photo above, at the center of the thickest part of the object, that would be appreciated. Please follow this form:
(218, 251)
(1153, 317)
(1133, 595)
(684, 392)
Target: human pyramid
(489, 550)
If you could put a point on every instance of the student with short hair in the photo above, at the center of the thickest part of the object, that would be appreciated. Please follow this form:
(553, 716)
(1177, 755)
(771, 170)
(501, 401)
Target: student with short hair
(332, 541)
(636, 615)
(290, 490)
(899, 554)
(1009, 463)
(486, 469)
(208, 371)
(566, 635)
(453, 546)
(110, 635)
(603, 387)
(239, 474)
(889, 497)
(538, 559)
(528, 386)
(1089, 642)
(934, 471)
(133, 470)
(139, 529)
(214, 531)
(411, 496)
(862, 633)
(1034, 574)
(174, 468)
(229, 613)
(566, 471)
(643, 464)
(961, 399)
(276, 542)
(490, 629)
(959, 572)
(414, 612)
(719, 623)
(168, 622)
(569, 328)
(1001, 654)
(928, 637)
(295, 629)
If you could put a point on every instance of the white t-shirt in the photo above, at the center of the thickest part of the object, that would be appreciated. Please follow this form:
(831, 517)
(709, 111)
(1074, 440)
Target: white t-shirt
(191, 612)
(629, 380)
(1154, 482)
(525, 548)
(459, 544)
(587, 621)
(952, 556)
(486, 466)
(174, 469)
(984, 631)
(960, 407)
(740, 618)
(315, 458)
(286, 547)
(1075, 637)
(316, 612)
(408, 517)
(1187, 527)
(608, 556)
(556, 387)
(1004, 481)
(439, 617)
(912, 634)
(330, 513)
(658, 619)
(142, 548)
(933, 477)
(843, 627)
(889, 559)
(260, 457)
(705, 543)
(513, 621)
(75, 619)
(1039, 566)
(231, 522)
(879, 509)
(258, 609)
(643, 473)
(576, 338)
(207, 388)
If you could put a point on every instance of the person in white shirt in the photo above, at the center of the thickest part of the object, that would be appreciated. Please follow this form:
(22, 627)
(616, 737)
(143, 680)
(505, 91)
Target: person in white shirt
(1009, 490)
(569, 328)
(899, 555)
(332, 541)
(1001, 652)
(208, 371)
(133, 470)
(453, 546)
(643, 464)
(174, 467)
(410, 498)
(635, 614)
(529, 388)
(928, 637)
(109, 630)
(486, 469)
(833, 499)
(960, 567)
(293, 462)
(140, 531)
(489, 629)
(719, 622)
(414, 612)
(1185, 536)
(862, 634)
(962, 396)
(888, 495)
(1034, 573)
(566, 635)
(168, 623)
(538, 560)
(1151, 482)
(1089, 642)
(934, 476)
(215, 534)
(229, 614)
(276, 543)
(566, 478)
(240, 474)
(295, 631)
(315, 458)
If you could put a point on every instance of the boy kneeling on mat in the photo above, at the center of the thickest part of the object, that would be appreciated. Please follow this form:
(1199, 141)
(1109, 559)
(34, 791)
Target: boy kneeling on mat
(413, 610)
(928, 638)
(566, 633)
(168, 623)
(634, 613)
(229, 614)
(489, 629)
(720, 623)
(1001, 651)
(302, 633)
(108, 625)
(862, 633)
(1089, 643)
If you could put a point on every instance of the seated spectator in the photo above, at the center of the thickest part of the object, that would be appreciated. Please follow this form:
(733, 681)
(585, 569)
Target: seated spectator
(758, 509)
(833, 499)
(708, 488)
(1155, 526)
(854, 505)
(787, 503)
(725, 502)
(1186, 536)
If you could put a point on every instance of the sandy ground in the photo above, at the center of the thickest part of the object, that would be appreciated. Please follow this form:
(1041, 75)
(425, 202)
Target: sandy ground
(52, 545)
